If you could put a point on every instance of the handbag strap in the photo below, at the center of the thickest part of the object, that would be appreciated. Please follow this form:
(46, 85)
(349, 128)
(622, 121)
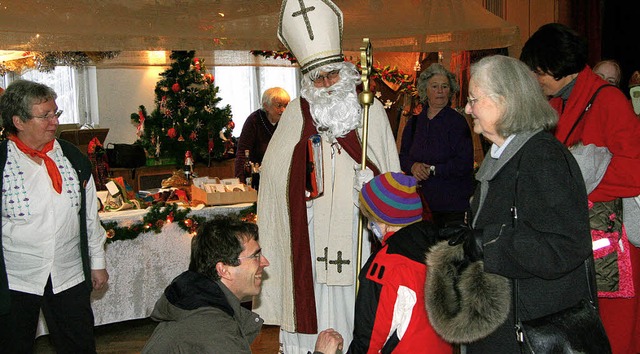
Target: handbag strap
(586, 109)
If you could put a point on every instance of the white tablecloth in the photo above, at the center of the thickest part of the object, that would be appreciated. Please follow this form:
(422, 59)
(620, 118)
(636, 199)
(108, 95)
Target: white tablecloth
(140, 269)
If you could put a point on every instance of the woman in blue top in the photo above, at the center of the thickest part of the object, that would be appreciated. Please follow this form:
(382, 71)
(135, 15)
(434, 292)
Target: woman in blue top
(437, 148)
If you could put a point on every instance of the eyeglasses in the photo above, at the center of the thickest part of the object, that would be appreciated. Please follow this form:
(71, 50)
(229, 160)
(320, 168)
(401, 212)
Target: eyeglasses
(49, 116)
(331, 75)
(256, 255)
(473, 100)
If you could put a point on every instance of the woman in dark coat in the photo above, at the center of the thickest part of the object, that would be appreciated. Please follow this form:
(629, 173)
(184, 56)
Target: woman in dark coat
(529, 174)
(437, 148)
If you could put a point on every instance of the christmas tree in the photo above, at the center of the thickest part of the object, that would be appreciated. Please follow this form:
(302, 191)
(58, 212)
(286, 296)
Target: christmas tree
(186, 117)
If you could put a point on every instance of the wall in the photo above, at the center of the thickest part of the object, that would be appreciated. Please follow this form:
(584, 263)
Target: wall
(120, 92)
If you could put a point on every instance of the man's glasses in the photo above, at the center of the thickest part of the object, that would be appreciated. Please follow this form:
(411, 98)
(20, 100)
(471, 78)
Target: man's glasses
(331, 75)
(49, 116)
(256, 255)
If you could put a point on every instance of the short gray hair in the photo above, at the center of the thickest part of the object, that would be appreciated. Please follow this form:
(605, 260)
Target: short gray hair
(511, 84)
(18, 100)
(431, 71)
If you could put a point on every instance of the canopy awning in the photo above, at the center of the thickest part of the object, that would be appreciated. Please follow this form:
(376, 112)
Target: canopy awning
(134, 25)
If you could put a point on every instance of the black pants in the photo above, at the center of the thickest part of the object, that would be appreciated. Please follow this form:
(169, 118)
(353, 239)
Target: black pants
(69, 319)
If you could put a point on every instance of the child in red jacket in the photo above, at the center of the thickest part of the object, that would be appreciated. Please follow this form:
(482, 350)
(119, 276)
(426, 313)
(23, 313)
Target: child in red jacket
(390, 313)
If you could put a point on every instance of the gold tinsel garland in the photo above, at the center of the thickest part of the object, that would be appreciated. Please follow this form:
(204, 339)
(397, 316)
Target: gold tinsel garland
(47, 61)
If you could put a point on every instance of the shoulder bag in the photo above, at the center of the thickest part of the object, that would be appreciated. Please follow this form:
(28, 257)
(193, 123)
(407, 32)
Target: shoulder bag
(577, 329)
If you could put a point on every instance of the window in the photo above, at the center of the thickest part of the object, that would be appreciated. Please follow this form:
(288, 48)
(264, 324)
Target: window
(241, 87)
(76, 90)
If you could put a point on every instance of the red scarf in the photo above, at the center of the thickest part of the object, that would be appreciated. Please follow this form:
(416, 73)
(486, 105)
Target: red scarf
(52, 168)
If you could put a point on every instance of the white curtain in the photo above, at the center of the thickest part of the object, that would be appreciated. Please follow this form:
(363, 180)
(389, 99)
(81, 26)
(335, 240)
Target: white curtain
(241, 87)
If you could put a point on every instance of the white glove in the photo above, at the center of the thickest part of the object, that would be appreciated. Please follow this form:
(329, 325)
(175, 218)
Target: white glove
(359, 179)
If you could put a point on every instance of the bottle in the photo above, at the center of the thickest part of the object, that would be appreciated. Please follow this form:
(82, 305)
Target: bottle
(188, 165)
(248, 168)
(255, 176)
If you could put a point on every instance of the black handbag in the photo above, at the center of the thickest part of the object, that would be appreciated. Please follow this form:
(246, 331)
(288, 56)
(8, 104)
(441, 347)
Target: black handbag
(577, 329)
(126, 155)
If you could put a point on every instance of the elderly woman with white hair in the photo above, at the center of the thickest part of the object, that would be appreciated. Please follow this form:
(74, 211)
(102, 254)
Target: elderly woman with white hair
(529, 231)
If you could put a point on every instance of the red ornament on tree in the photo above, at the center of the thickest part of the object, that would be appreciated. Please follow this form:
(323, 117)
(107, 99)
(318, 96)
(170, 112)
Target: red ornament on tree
(172, 133)
(176, 87)
(231, 124)
(196, 63)
(193, 136)
(208, 77)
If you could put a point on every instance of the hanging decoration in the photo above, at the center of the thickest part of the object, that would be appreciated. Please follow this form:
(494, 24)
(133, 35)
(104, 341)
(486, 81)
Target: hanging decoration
(397, 80)
(47, 61)
(270, 54)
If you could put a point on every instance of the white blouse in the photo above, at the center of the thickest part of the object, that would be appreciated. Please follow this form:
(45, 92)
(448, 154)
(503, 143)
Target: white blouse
(41, 228)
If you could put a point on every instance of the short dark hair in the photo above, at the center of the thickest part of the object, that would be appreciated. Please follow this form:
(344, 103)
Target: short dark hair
(18, 100)
(555, 49)
(220, 239)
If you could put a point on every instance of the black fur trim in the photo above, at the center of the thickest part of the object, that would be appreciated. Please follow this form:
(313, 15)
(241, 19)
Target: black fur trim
(464, 303)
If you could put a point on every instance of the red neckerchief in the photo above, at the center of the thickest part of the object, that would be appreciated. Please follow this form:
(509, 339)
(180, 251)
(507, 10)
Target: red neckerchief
(52, 168)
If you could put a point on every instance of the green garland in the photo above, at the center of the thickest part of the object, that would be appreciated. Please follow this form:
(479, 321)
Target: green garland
(158, 216)
(154, 220)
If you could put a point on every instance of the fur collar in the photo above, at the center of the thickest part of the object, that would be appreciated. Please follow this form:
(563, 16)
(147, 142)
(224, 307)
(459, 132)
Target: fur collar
(464, 303)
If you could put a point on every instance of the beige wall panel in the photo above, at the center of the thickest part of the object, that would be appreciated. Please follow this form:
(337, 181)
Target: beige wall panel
(541, 12)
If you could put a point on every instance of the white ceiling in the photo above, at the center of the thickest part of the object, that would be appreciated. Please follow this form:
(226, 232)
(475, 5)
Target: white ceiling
(132, 25)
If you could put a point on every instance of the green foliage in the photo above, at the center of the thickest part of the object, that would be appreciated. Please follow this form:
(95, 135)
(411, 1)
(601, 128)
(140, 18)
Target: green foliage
(154, 220)
(161, 214)
(186, 116)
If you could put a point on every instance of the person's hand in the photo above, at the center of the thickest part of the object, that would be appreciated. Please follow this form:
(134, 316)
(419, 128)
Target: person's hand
(420, 171)
(361, 177)
(470, 239)
(329, 342)
(99, 278)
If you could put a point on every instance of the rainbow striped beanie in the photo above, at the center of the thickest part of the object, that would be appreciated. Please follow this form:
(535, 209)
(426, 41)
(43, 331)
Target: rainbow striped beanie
(391, 198)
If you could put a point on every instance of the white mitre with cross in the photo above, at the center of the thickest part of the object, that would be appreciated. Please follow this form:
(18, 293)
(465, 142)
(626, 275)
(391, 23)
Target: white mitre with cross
(312, 31)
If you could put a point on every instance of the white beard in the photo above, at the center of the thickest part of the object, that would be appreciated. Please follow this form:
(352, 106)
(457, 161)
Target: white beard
(335, 110)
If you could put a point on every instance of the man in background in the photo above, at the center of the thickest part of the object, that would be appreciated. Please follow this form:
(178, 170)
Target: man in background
(308, 221)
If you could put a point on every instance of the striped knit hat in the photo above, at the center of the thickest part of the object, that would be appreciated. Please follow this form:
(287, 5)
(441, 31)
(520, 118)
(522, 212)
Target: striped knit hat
(391, 198)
